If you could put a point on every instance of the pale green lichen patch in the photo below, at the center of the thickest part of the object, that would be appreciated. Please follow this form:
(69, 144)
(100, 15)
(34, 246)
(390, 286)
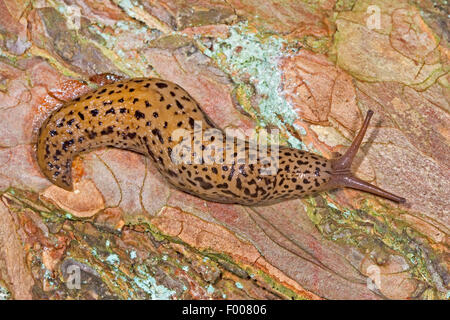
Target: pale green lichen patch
(148, 283)
(113, 259)
(252, 61)
(4, 293)
(143, 279)
(210, 289)
(128, 6)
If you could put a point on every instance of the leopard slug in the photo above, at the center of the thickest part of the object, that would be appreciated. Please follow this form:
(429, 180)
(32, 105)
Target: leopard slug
(141, 114)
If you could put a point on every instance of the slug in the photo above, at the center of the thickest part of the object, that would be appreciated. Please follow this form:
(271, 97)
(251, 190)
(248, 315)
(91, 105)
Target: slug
(141, 114)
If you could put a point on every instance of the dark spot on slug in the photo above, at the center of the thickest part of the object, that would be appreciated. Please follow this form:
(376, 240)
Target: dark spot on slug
(203, 184)
(191, 122)
(238, 183)
(157, 133)
(179, 105)
(91, 134)
(66, 144)
(139, 115)
(161, 85)
(108, 130)
(171, 173)
(317, 172)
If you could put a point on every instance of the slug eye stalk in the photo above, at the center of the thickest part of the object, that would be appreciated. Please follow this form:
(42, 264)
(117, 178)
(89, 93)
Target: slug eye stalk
(341, 175)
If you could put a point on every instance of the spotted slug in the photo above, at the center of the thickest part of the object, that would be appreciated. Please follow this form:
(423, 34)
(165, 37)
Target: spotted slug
(141, 114)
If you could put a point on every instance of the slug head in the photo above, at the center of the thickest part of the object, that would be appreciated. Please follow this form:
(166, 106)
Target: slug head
(341, 175)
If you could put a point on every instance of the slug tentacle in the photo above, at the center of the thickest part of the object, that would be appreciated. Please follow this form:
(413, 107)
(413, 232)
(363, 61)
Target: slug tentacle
(341, 175)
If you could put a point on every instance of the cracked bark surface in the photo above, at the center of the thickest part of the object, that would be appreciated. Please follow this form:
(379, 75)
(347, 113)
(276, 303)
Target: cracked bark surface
(131, 235)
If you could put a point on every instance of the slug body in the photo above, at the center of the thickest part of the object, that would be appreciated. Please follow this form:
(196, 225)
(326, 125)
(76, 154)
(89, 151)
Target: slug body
(141, 115)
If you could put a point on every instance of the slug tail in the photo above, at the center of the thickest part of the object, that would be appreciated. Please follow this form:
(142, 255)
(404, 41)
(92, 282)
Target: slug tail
(342, 176)
(57, 170)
